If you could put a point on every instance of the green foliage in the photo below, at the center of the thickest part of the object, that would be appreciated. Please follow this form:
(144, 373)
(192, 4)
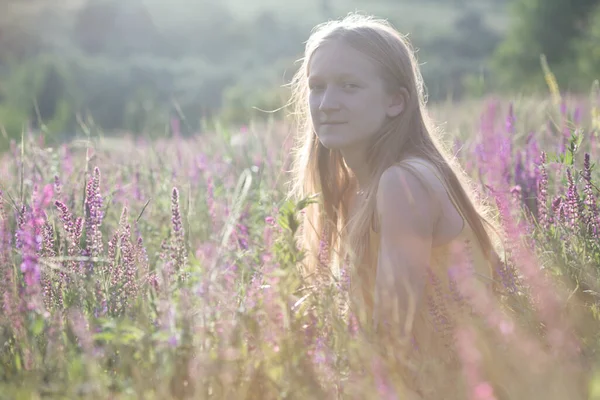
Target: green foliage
(133, 65)
(286, 248)
(242, 104)
(454, 59)
(570, 246)
(587, 50)
(543, 27)
(38, 94)
(13, 122)
(571, 150)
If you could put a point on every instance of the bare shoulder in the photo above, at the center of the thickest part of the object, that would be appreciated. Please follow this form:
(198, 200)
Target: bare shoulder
(409, 200)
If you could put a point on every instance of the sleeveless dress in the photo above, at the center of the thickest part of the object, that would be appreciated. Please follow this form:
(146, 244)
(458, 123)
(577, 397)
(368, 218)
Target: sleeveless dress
(441, 308)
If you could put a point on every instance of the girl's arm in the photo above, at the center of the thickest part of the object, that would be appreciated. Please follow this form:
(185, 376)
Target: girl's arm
(407, 212)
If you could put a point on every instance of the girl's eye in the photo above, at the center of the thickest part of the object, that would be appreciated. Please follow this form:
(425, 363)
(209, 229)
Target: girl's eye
(350, 86)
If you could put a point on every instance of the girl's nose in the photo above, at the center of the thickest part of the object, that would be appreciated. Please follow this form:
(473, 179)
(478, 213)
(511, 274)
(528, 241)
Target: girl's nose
(329, 101)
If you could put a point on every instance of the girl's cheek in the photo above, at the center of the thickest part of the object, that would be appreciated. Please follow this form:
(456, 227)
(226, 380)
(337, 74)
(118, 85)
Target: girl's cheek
(314, 102)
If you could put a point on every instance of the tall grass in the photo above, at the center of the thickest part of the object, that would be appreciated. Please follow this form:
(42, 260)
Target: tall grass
(167, 269)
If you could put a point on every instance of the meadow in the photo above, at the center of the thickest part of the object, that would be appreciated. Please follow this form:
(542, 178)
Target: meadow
(168, 268)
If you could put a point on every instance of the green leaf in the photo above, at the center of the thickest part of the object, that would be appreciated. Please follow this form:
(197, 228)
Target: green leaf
(579, 139)
(292, 223)
(18, 365)
(302, 204)
(568, 157)
(37, 326)
(594, 386)
(105, 336)
(553, 157)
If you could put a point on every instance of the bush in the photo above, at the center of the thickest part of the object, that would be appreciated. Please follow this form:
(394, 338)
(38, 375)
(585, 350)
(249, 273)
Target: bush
(543, 27)
(587, 50)
(13, 122)
(39, 94)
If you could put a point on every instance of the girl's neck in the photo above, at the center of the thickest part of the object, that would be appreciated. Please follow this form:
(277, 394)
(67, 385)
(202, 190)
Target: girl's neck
(356, 160)
(355, 200)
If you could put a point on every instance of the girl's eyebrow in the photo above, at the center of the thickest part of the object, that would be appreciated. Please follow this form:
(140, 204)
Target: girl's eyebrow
(347, 75)
(342, 75)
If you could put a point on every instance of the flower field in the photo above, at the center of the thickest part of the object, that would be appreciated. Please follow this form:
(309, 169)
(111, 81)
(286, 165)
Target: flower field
(167, 269)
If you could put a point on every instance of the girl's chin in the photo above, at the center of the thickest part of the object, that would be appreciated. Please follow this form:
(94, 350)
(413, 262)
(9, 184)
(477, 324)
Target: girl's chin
(338, 142)
(333, 141)
(332, 144)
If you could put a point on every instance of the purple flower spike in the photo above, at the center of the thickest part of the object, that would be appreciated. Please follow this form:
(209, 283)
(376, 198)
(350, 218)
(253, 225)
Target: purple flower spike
(542, 197)
(93, 202)
(30, 235)
(178, 241)
(592, 220)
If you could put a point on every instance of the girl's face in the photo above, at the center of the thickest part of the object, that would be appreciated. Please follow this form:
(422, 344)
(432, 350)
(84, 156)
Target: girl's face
(348, 101)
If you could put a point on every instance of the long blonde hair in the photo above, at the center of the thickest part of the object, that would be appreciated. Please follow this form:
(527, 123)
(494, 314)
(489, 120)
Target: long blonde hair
(316, 169)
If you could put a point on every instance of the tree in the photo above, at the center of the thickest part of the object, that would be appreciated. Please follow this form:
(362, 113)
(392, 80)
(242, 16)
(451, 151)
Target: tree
(547, 27)
(115, 28)
(588, 50)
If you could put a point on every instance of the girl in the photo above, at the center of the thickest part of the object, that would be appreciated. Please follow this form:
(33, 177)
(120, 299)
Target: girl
(393, 200)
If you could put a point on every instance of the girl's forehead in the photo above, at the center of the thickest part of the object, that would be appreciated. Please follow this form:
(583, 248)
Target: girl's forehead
(339, 60)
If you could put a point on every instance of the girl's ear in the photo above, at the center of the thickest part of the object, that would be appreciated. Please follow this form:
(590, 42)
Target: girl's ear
(398, 102)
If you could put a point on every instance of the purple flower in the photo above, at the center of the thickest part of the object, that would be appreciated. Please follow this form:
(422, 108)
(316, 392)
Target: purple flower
(510, 120)
(324, 250)
(242, 235)
(81, 329)
(202, 162)
(93, 203)
(577, 115)
(529, 268)
(471, 359)
(542, 196)
(30, 235)
(57, 185)
(384, 387)
(123, 270)
(48, 277)
(73, 230)
(5, 236)
(592, 218)
(556, 207)
(137, 187)
(67, 161)
(9, 298)
(178, 250)
(210, 201)
(574, 206)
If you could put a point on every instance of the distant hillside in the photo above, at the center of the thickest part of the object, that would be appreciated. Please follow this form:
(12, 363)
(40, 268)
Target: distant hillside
(133, 64)
(425, 16)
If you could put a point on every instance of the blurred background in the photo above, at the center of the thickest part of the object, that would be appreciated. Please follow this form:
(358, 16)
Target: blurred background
(133, 65)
